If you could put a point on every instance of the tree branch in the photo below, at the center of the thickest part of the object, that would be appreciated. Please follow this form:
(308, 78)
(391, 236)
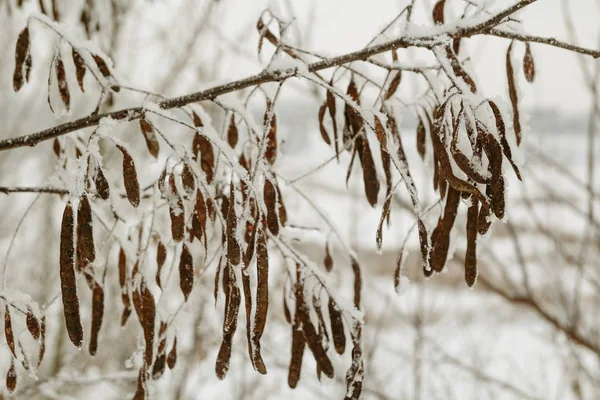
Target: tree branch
(428, 41)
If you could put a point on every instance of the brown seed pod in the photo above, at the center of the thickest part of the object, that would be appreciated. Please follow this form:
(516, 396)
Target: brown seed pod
(172, 357)
(493, 150)
(337, 327)
(322, 332)
(425, 247)
(398, 270)
(386, 162)
(232, 132)
(161, 256)
(186, 272)
(146, 311)
(101, 183)
(357, 282)
(528, 64)
(203, 147)
(370, 179)
(270, 197)
(271, 149)
(8, 331)
(80, 68)
(33, 324)
(281, 210)
(97, 316)
(61, 77)
(353, 119)
(22, 60)
(322, 129)
(458, 69)
(86, 250)
(421, 134)
(440, 238)
(11, 377)
(298, 344)
(438, 12)
(159, 363)
(328, 260)
(384, 213)
(42, 340)
(234, 250)
(197, 121)
(380, 133)
(177, 214)
(132, 186)
(286, 309)
(330, 99)
(67, 278)
(393, 87)
(512, 91)
(484, 219)
(500, 127)
(232, 305)
(150, 137)
(187, 180)
(471, 254)
(262, 291)
(102, 66)
(356, 373)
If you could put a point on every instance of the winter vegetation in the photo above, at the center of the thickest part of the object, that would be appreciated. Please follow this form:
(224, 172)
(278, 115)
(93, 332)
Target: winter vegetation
(319, 199)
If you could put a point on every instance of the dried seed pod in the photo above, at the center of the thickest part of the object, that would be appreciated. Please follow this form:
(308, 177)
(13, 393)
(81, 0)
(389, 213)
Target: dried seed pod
(353, 119)
(425, 247)
(512, 91)
(132, 186)
(356, 373)
(172, 357)
(271, 149)
(33, 324)
(97, 316)
(421, 134)
(370, 179)
(61, 77)
(146, 311)
(493, 150)
(322, 333)
(328, 260)
(187, 180)
(471, 255)
(67, 278)
(357, 282)
(438, 12)
(337, 327)
(298, 344)
(86, 250)
(384, 213)
(322, 129)
(232, 132)
(286, 309)
(393, 86)
(8, 331)
(398, 270)
(386, 162)
(528, 64)
(440, 238)
(161, 256)
(202, 146)
(101, 183)
(80, 68)
(11, 377)
(234, 250)
(150, 137)
(458, 69)
(102, 66)
(281, 210)
(270, 198)
(124, 292)
(22, 60)
(330, 99)
(177, 214)
(159, 364)
(232, 305)
(262, 293)
(42, 340)
(380, 133)
(186, 272)
(501, 128)
(484, 219)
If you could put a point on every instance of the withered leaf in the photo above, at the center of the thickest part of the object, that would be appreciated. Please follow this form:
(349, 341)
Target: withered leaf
(232, 132)
(471, 255)
(11, 377)
(197, 121)
(393, 86)
(61, 77)
(8, 331)
(186, 271)
(67, 277)
(161, 256)
(33, 324)
(528, 64)
(512, 91)
(150, 137)
(85, 233)
(97, 316)
(132, 185)
(337, 327)
(203, 147)
(22, 55)
(80, 68)
(172, 357)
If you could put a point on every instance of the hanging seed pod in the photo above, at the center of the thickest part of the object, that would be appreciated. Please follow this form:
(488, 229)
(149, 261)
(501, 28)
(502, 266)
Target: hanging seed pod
(501, 128)
(161, 256)
(438, 12)
(512, 91)
(61, 77)
(234, 250)
(187, 180)
(8, 331)
(421, 134)
(440, 238)
(42, 340)
(97, 316)
(202, 146)
(33, 324)
(150, 137)
(22, 55)
(232, 132)
(102, 66)
(471, 255)
(11, 377)
(322, 129)
(337, 327)
(177, 214)
(370, 179)
(394, 83)
(101, 183)
(145, 308)
(186, 272)
(67, 278)
(270, 198)
(328, 260)
(232, 305)
(80, 68)
(298, 344)
(132, 186)
(172, 357)
(528, 64)
(262, 297)
(384, 213)
(86, 250)
(357, 282)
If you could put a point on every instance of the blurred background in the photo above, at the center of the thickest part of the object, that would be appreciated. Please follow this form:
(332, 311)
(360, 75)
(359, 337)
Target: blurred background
(528, 330)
